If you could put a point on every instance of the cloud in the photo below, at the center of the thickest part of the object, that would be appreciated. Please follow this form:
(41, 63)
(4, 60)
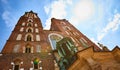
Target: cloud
(8, 18)
(56, 9)
(47, 9)
(82, 11)
(111, 26)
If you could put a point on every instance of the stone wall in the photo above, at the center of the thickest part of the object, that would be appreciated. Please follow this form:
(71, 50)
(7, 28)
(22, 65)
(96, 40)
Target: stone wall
(89, 59)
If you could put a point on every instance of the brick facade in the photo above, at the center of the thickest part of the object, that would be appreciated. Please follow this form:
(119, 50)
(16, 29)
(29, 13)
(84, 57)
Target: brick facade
(28, 41)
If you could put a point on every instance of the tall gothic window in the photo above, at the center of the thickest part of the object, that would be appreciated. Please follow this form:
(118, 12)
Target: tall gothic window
(29, 30)
(29, 24)
(28, 49)
(29, 38)
(17, 63)
(16, 67)
(54, 38)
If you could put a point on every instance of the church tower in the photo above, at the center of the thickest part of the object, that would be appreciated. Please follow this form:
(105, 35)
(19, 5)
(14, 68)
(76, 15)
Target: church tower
(26, 36)
(26, 48)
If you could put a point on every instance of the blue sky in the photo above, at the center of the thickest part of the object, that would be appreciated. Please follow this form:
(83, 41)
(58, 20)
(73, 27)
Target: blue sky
(99, 20)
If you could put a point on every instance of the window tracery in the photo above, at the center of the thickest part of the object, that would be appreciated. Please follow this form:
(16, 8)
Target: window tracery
(54, 38)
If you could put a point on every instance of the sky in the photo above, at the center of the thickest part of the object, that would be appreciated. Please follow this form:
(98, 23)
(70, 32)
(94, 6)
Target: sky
(99, 20)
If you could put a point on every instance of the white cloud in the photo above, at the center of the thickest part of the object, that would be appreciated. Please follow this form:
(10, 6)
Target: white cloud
(8, 18)
(82, 11)
(101, 35)
(47, 9)
(48, 23)
(111, 26)
(57, 9)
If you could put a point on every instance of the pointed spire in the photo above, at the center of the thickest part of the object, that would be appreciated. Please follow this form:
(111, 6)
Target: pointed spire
(31, 11)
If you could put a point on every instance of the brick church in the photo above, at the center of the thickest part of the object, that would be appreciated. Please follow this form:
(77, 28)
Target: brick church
(63, 47)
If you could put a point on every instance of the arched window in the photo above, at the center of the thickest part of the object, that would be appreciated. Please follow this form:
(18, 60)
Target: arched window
(30, 20)
(29, 38)
(29, 30)
(28, 49)
(19, 37)
(53, 37)
(17, 63)
(29, 24)
(36, 63)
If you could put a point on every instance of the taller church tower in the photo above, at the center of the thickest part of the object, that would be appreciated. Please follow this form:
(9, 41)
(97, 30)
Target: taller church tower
(27, 35)
(26, 48)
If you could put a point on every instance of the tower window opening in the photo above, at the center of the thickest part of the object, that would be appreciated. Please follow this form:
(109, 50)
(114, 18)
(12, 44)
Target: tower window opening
(29, 30)
(30, 20)
(29, 25)
(28, 50)
(29, 38)
(16, 67)
(17, 63)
